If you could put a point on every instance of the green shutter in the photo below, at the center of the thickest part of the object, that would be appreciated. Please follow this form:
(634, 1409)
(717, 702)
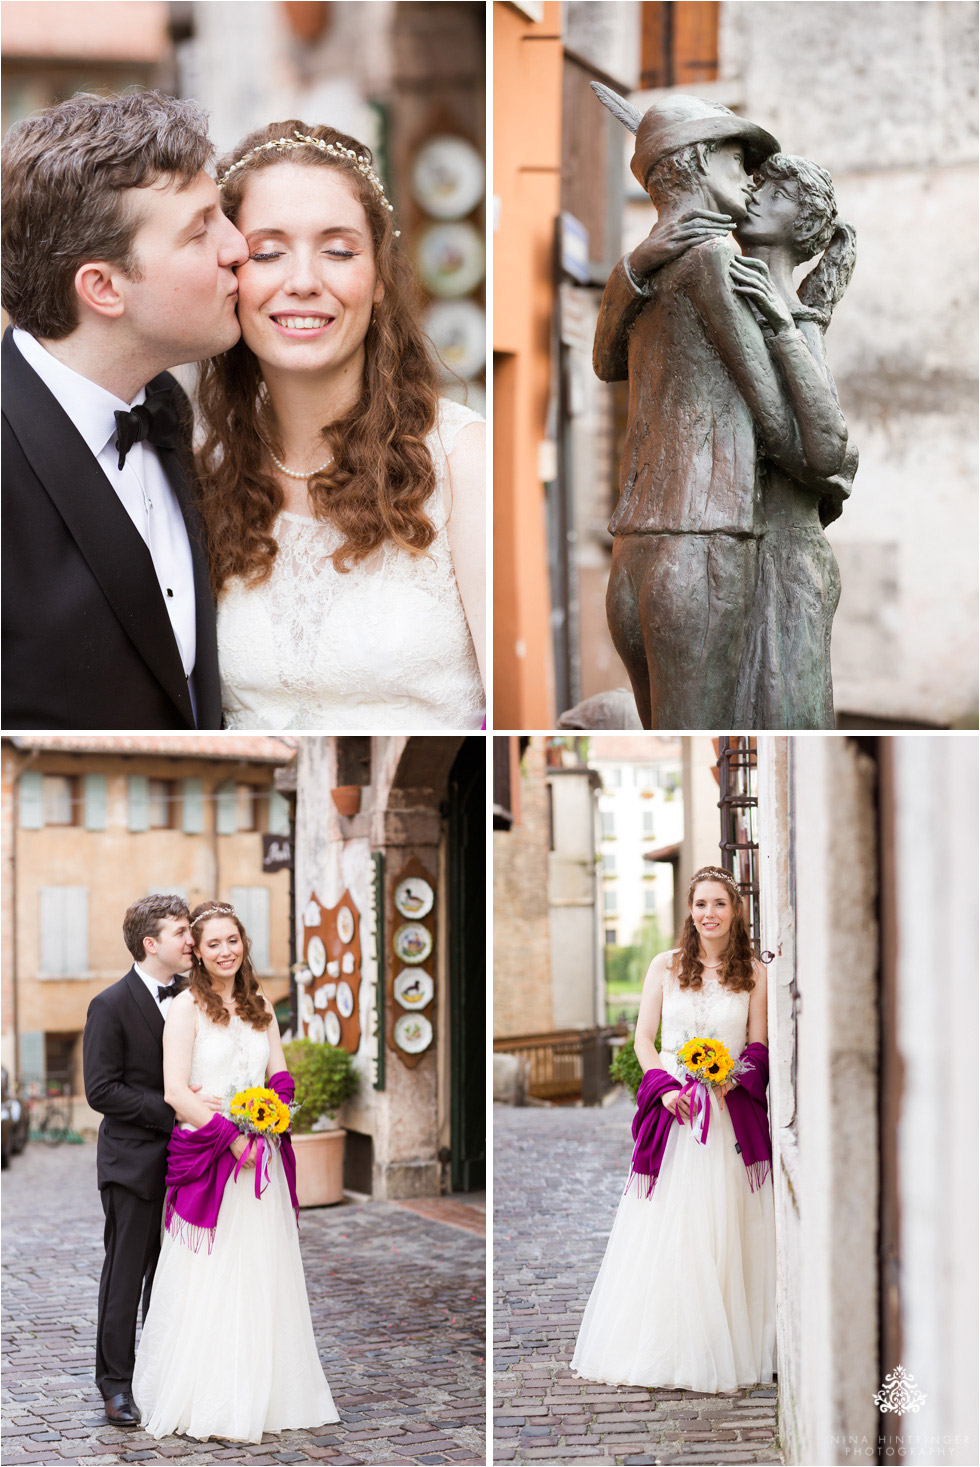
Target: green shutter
(64, 931)
(227, 809)
(192, 804)
(278, 813)
(139, 802)
(96, 802)
(31, 790)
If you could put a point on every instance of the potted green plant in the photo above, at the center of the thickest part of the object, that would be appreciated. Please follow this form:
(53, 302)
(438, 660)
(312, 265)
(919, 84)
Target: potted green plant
(325, 1077)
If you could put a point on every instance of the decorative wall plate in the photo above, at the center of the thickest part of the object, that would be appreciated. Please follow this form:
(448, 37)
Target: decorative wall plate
(331, 1028)
(347, 963)
(414, 897)
(312, 914)
(448, 177)
(316, 956)
(458, 331)
(315, 1029)
(321, 998)
(451, 259)
(345, 1000)
(414, 988)
(413, 1033)
(345, 924)
(413, 942)
(306, 1010)
(333, 968)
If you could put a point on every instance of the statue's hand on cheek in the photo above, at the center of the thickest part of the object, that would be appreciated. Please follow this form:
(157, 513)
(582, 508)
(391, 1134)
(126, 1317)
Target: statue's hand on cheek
(666, 241)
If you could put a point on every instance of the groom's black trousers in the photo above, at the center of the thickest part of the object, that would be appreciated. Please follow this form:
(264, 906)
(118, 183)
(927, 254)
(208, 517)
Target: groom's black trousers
(132, 1247)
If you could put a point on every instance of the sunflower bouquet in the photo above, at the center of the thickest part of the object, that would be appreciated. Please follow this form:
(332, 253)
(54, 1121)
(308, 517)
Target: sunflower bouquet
(708, 1063)
(262, 1117)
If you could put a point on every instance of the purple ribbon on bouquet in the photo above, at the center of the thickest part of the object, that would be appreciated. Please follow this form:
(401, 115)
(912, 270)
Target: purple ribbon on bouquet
(261, 1147)
(697, 1092)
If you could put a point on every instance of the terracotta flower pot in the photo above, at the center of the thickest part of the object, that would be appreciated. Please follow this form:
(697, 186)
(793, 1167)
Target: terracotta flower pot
(319, 1168)
(347, 798)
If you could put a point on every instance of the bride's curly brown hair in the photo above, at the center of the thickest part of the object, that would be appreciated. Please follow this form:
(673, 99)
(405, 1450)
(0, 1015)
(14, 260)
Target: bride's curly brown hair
(736, 965)
(381, 473)
(248, 999)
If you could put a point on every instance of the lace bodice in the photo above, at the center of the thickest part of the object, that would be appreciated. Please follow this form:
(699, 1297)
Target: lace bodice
(384, 645)
(226, 1060)
(711, 1012)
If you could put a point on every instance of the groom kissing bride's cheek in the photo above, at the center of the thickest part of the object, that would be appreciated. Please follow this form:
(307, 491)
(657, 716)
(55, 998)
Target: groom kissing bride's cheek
(143, 589)
(108, 618)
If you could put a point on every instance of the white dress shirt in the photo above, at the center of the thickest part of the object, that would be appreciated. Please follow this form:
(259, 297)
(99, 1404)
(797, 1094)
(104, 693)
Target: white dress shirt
(140, 485)
(163, 1004)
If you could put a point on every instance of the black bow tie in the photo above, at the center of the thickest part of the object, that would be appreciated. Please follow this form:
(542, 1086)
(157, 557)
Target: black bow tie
(154, 420)
(170, 991)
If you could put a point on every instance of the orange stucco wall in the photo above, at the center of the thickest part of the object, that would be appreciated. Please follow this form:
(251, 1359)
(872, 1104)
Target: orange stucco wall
(527, 79)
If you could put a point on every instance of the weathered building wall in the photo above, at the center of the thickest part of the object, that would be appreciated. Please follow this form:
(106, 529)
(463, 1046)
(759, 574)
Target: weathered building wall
(884, 96)
(576, 962)
(522, 999)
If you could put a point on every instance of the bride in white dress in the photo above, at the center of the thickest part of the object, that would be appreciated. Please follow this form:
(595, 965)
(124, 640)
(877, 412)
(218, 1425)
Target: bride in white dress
(344, 500)
(227, 1348)
(685, 1296)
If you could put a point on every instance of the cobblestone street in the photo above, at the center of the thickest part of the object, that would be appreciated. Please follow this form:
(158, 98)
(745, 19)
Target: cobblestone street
(558, 1175)
(398, 1311)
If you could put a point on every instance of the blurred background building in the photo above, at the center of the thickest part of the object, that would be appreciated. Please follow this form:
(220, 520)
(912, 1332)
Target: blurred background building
(588, 836)
(884, 96)
(90, 823)
(408, 79)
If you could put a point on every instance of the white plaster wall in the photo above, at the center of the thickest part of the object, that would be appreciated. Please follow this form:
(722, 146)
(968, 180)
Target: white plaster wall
(702, 818)
(936, 878)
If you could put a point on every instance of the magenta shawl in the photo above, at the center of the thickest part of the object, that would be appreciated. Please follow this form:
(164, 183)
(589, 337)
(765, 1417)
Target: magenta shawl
(746, 1106)
(199, 1164)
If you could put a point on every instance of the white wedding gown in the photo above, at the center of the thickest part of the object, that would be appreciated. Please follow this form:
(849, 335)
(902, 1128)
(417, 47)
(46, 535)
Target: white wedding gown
(227, 1348)
(685, 1297)
(385, 645)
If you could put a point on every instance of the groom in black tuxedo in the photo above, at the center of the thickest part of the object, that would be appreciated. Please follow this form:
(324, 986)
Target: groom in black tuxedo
(123, 1062)
(117, 265)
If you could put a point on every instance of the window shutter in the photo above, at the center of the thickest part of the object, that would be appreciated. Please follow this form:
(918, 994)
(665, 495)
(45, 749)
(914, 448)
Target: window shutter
(192, 806)
(278, 813)
(64, 931)
(139, 802)
(252, 905)
(227, 809)
(96, 802)
(31, 790)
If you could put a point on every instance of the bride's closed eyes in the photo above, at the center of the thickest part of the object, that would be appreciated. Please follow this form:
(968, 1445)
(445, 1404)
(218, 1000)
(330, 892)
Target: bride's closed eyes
(335, 254)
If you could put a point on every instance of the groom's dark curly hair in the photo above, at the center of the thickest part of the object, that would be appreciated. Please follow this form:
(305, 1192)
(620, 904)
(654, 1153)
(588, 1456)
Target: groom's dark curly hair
(65, 171)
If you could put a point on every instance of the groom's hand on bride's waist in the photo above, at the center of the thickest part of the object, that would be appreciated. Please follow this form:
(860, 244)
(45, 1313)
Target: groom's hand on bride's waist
(213, 1102)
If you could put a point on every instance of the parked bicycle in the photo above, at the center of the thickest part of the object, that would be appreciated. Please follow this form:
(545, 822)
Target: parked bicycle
(50, 1114)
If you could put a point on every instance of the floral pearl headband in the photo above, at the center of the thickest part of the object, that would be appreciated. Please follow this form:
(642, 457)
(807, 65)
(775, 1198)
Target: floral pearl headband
(333, 150)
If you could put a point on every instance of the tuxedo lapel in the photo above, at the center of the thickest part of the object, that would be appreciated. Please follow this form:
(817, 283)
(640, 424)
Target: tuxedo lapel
(146, 1003)
(105, 535)
(206, 653)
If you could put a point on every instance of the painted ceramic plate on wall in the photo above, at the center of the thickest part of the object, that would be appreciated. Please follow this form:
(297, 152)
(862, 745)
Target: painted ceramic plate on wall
(414, 897)
(347, 962)
(315, 1028)
(333, 968)
(331, 1028)
(451, 259)
(306, 1010)
(413, 1033)
(414, 990)
(311, 916)
(316, 957)
(448, 177)
(345, 924)
(458, 331)
(345, 1000)
(413, 942)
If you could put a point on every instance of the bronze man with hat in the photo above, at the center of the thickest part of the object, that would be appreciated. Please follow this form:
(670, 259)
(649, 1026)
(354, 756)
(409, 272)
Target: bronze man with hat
(706, 398)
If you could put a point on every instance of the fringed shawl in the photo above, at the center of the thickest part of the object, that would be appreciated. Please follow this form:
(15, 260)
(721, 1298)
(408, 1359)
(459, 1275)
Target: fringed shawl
(746, 1106)
(199, 1164)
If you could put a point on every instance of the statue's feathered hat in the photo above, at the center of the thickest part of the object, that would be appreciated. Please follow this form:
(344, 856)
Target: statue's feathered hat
(677, 121)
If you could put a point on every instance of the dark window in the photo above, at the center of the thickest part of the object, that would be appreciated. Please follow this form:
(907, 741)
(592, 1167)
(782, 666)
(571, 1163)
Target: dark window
(739, 804)
(679, 43)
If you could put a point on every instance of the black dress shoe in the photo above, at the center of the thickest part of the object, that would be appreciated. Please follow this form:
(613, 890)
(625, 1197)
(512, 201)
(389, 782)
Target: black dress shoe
(121, 1410)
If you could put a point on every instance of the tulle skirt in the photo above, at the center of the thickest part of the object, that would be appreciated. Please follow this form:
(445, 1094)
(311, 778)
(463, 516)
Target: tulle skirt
(685, 1297)
(227, 1349)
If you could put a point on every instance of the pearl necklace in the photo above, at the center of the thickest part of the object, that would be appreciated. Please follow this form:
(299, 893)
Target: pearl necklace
(291, 473)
